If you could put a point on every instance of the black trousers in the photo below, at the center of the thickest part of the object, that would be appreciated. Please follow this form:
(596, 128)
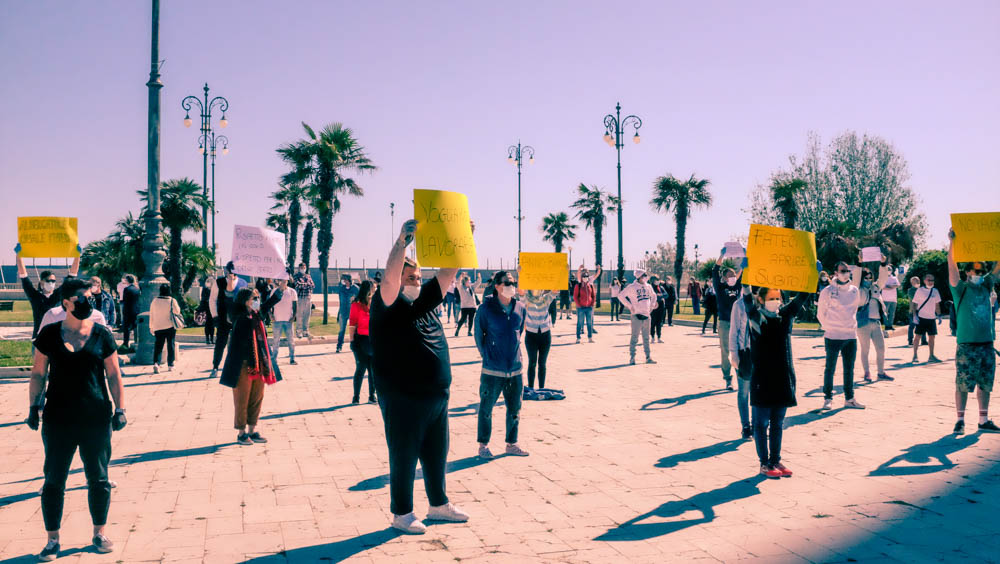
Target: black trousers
(164, 336)
(362, 349)
(61, 442)
(713, 314)
(416, 428)
(537, 345)
(209, 327)
(221, 339)
(128, 325)
(553, 311)
(656, 322)
(670, 313)
(468, 315)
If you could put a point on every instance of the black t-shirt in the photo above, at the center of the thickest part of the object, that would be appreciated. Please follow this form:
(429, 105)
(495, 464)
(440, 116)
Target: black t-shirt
(77, 393)
(410, 351)
(40, 303)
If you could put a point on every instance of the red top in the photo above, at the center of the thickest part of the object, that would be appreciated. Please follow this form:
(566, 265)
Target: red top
(584, 294)
(359, 318)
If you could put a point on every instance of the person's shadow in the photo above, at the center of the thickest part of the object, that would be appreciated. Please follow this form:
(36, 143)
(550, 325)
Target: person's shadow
(668, 403)
(921, 454)
(337, 551)
(634, 529)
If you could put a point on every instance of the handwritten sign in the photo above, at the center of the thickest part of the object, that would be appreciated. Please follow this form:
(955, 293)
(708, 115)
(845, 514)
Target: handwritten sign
(444, 234)
(781, 258)
(734, 250)
(977, 236)
(259, 252)
(871, 254)
(543, 271)
(46, 237)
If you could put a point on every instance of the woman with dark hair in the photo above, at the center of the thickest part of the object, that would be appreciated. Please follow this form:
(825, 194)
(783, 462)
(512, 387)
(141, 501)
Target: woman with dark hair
(361, 345)
(204, 309)
(162, 314)
(711, 309)
(659, 314)
(249, 365)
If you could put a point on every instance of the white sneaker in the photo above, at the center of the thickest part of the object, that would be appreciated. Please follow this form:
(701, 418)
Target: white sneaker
(853, 404)
(827, 404)
(590, 339)
(156, 369)
(409, 524)
(515, 450)
(447, 512)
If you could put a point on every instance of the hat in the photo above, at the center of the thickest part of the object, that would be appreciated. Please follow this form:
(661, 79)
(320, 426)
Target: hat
(638, 273)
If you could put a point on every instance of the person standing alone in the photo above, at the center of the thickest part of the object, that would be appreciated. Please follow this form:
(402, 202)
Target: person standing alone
(163, 313)
(130, 308)
(303, 285)
(283, 314)
(640, 300)
(346, 292)
(837, 313)
(925, 309)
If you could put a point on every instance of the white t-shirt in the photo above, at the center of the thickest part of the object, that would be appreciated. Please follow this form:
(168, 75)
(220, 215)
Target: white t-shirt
(58, 314)
(615, 290)
(889, 291)
(927, 311)
(282, 311)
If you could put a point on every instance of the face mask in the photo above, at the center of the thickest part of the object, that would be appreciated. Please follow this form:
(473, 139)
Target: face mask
(843, 277)
(48, 287)
(507, 291)
(255, 305)
(82, 308)
(976, 279)
(772, 305)
(731, 280)
(929, 284)
(866, 283)
(410, 293)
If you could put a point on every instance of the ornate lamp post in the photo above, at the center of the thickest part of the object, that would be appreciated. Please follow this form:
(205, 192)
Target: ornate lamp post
(212, 142)
(205, 112)
(614, 129)
(515, 155)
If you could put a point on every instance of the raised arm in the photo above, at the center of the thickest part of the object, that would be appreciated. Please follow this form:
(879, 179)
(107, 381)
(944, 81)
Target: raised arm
(74, 268)
(953, 277)
(22, 272)
(394, 264)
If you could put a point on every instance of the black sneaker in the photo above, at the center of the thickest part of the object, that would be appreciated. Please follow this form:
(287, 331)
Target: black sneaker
(959, 427)
(989, 427)
(372, 399)
(257, 438)
(50, 552)
(244, 439)
(292, 361)
(103, 544)
(355, 400)
(747, 432)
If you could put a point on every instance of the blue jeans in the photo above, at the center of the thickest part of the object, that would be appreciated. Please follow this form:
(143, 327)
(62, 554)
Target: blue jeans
(847, 349)
(490, 388)
(277, 329)
(743, 400)
(342, 318)
(762, 418)
(584, 314)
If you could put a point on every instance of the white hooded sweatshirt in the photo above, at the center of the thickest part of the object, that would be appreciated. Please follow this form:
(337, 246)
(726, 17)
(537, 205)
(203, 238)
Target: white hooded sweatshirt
(837, 311)
(639, 298)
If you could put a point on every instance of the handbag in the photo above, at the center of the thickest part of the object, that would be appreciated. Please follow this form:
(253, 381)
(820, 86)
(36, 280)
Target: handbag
(176, 319)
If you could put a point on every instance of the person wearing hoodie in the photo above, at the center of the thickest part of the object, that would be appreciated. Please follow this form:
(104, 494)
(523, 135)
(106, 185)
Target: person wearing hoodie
(728, 290)
(658, 315)
(837, 313)
(640, 300)
(871, 314)
(772, 379)
(740, 357)
(500, 323)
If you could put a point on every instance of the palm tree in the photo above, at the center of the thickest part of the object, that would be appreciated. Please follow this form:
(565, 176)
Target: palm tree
(307, 237)
(318, 163)
(290, 197)
(557, 229)
(670, 194)
(277, 222)
(196, 263)
(783, 193)
(592, 207)
(181, 204)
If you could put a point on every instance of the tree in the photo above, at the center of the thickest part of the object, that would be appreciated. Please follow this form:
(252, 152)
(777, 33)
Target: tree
(661, 261)
(197, 263)
(673, 195)
(783, 193)
(592, 206)
(277, 222)
(290, 198)
(181, 204)
(318, 163)
(307, 238)
(557, 230)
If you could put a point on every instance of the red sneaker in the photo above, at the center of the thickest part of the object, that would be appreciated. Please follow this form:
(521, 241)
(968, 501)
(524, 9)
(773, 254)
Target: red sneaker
(770, 472)
(785, 472)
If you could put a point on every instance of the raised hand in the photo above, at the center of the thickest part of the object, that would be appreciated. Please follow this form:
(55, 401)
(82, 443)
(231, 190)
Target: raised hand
(17, 249)
(407, 231)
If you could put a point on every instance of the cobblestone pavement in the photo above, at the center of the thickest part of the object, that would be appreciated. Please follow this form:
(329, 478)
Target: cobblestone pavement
(639, 464)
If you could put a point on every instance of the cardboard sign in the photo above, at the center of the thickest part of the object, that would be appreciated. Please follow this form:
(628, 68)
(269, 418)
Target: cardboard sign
(444, 233)
(48, 237)
(543, 271)
(871, 254)
(977, 236)
(259, 252)
(734, 250)
(781, 258)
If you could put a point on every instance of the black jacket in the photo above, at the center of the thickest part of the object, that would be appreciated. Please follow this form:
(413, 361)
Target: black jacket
(772, 382)
(239, 351)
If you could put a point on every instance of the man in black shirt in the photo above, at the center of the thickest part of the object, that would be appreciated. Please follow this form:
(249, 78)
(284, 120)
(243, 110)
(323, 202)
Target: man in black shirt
(728, 288)
(77, 358)
(46, 295)
(412, 371)
(130, 308)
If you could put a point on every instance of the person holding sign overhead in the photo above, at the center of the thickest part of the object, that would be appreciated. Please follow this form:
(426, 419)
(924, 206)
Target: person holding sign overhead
(837, 313)
(45, 296)
(728, 289)
(413, 379)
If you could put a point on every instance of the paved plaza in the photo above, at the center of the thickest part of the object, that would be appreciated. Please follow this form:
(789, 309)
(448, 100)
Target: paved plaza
(639, 464)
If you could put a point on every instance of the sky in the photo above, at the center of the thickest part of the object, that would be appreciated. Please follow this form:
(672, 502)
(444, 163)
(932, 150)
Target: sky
(437, 91)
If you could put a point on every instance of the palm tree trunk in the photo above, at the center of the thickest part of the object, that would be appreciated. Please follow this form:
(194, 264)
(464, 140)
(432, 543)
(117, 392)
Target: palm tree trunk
(681, 220)
(294, 217)
(307, 243)
(598, 257)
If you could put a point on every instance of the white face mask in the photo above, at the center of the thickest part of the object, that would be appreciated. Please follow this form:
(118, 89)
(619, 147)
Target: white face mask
(976, 279)
(410, 293)
(731, 280)
(48, 287)
(507, 291)
(772, 305)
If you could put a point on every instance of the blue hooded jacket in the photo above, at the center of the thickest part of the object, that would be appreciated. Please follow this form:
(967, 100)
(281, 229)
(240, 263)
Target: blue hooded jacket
(498, 336)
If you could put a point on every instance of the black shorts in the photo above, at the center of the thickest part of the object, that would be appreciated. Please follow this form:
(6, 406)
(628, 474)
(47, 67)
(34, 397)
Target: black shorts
(926, 327)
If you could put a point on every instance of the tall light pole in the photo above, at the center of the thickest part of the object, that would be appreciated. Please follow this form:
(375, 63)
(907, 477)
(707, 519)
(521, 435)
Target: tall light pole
(392, 220)
(515, 155)
(212, 142)
(205, 111)
(152, 243)
(614, 130)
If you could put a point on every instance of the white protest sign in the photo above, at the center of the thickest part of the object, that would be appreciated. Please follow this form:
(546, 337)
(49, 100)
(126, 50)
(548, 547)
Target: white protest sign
(734, 250)
(871, 254)
(259, 252)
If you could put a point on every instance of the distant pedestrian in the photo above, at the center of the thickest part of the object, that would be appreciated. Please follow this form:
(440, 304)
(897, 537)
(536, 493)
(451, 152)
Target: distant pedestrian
(361, 345)
(870, 315)
(565, 297)
(910, 292)
(130, 308)
(669, 299)
(837, 312)
(727, 285)
(164, 311)
(694, 295)
(205, 310)
(303, 285)
(468, 301)
(640, 300)
(346, 292)
(658, 315)
(711, 309)
(584, 296)
(926, 311)
(616, 288)
(741, 357)
(890, 298)
(283, 311)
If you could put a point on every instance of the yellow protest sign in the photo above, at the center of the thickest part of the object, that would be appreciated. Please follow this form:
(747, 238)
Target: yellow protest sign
(977, 236)
(444, 233)
(47, 237)
(543, 271)
(781, 258)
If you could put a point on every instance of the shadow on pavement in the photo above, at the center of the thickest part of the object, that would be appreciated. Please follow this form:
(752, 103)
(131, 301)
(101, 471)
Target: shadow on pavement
(466, 363)
(306, 411)
(11, 424)
(163, 382)
(634, 529)
(21, 497)
(379, 482)
(939, 450)
(331, 552)
(680, 400)
(32, 558)
(612, 367)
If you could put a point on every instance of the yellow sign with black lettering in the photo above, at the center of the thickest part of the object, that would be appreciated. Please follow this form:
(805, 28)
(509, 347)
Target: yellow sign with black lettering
(543, 271)
(444, 231)
(48, 237)
(977, 236)
(781, 258)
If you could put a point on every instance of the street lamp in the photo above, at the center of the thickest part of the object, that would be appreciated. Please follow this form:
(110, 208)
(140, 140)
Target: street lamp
(515, 155)
(205, 113)
(211, 143)
(614, 129)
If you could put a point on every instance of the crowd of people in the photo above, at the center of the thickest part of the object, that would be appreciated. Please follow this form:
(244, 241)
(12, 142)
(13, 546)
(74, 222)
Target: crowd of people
(395, 329)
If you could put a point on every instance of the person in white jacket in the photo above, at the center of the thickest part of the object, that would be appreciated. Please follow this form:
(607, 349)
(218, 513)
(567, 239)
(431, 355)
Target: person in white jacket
(161, 323)
(837, 313)
(640, 299)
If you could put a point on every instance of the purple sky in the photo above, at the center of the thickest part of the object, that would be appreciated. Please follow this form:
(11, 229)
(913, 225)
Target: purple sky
(726, 91)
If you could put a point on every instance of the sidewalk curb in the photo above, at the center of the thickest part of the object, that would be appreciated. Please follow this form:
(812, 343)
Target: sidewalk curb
(15, 324)
(200, 340)
(15, 372)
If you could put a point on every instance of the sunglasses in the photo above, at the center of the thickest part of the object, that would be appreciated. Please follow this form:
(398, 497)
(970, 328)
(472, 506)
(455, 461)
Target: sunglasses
(52, 280)
(979, 272)
(509, 283)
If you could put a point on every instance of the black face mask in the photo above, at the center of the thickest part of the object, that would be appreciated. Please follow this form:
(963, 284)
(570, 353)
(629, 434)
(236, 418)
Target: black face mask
(82, 309)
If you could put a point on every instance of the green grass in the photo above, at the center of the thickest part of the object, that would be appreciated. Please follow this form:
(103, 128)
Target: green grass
(15, 353)
(687, 314)
(22, 312)
(316, 327)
